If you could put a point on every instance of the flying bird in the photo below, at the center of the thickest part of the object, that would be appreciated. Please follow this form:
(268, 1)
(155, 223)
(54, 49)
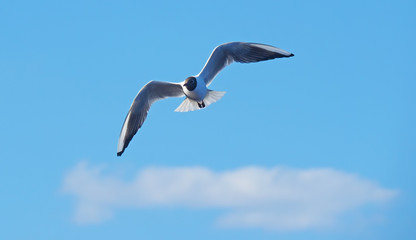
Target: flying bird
(194, 88)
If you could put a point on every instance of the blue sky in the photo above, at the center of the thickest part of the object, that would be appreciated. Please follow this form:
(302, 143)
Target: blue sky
(318, 146)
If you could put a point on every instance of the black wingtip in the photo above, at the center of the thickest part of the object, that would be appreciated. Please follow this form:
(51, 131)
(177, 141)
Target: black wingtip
(119, 153)
(291, 55)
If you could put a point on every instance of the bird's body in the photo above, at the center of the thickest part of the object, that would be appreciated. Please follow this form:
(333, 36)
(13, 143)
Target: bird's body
(199, 92)
(195, 88)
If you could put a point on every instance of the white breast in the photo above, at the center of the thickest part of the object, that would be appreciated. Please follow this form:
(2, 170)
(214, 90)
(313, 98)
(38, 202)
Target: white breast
(199, 93)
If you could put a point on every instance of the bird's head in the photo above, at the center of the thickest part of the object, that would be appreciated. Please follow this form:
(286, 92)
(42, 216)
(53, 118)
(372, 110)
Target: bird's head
(190, 83)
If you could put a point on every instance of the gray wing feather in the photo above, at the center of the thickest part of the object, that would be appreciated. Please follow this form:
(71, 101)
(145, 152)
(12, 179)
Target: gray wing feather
(150, 93)
(227, 53)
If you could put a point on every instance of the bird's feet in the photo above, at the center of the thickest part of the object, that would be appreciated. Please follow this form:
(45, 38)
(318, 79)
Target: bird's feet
(201, 105)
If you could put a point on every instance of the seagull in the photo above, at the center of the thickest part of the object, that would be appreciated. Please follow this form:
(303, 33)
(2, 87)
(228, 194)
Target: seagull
(194, 88)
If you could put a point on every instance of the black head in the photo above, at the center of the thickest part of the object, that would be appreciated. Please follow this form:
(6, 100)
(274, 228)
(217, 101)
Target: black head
(190, 83)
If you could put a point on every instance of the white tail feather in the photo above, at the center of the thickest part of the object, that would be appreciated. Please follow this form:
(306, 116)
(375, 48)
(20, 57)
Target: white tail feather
(191, 105)
(212, 96)
(187, 105)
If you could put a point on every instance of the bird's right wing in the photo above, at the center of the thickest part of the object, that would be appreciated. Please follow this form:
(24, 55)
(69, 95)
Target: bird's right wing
(243, 52)
(150, 93)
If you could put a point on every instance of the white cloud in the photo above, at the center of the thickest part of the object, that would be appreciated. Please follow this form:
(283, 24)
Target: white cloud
(276, 198)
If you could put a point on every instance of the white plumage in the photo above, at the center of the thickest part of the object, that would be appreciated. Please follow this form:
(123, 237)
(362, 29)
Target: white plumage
(194, 88)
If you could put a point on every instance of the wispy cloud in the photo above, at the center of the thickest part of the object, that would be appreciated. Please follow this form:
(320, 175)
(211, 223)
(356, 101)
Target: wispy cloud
(275, 198)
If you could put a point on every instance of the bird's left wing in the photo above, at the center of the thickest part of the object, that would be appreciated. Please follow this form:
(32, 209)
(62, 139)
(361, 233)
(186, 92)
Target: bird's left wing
(242, 52)
(150, 93)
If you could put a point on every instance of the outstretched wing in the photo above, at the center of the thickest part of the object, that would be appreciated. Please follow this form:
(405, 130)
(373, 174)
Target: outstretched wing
(227, 53)
(150, 93)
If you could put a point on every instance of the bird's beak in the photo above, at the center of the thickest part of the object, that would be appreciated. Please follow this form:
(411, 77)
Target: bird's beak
(185, 84)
